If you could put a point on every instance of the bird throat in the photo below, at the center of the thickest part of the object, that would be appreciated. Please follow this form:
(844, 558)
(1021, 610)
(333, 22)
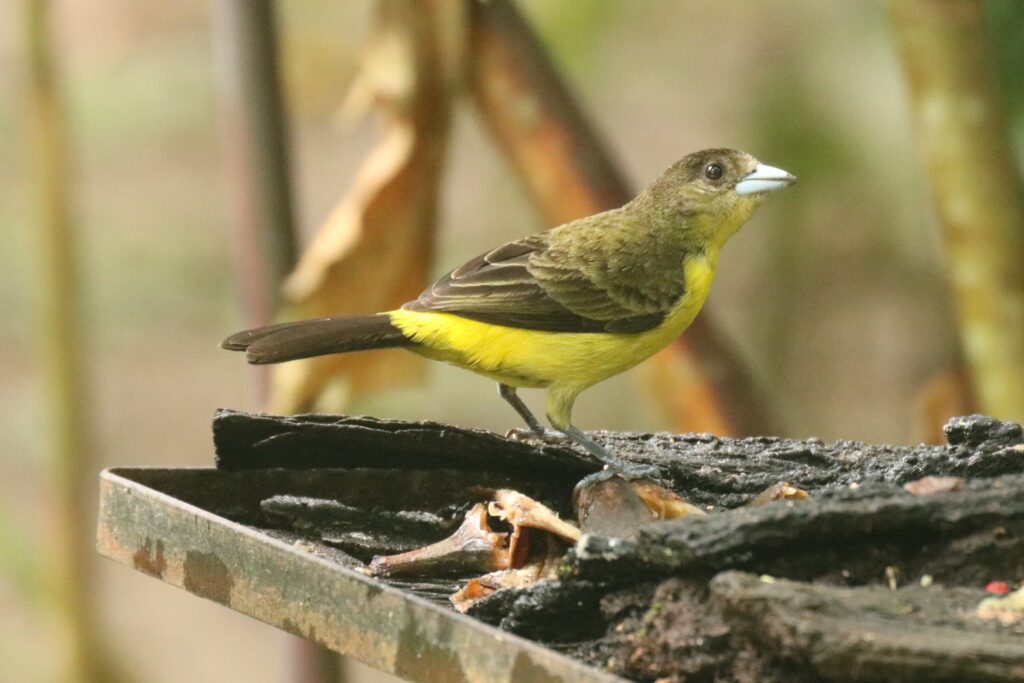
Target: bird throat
(717, 229)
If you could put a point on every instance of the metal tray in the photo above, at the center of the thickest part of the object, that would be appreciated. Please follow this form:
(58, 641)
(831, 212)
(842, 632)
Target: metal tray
(176, 525)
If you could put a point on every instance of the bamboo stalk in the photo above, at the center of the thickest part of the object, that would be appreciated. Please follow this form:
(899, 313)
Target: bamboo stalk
(961, 115)
(569, 172)
(20, 559)
(60, 336)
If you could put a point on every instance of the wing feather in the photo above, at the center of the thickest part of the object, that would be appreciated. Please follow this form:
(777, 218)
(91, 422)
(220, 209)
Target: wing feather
(528, 284)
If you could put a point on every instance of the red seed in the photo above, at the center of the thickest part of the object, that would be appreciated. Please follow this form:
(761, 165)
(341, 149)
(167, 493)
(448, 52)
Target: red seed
(998, 587)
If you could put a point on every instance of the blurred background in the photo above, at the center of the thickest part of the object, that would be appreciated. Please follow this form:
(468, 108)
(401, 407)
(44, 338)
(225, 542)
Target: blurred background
(839, 298)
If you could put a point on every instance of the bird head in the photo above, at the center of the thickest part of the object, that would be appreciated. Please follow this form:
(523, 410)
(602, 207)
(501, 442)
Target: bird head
(715, 191)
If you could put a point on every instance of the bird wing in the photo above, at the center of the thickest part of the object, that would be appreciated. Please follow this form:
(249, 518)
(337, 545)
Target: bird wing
(530, 285)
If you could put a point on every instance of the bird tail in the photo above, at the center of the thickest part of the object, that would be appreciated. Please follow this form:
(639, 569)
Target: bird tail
(319, 337)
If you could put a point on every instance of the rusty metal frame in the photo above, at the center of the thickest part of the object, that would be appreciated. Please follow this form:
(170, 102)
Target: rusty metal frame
(286, 586)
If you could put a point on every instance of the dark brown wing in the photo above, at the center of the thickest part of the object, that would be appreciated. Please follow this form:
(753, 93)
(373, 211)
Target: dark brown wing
(525, 284)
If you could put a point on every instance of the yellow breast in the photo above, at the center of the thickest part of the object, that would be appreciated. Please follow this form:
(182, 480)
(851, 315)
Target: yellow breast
(533, 358)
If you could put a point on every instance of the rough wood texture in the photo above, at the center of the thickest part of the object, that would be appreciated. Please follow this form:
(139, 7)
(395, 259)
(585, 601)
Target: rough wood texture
(964, 537)
(360, 531)
(863, 633)
(749, 629)
(875, 534)
(248, 441)
(669, 605)
(705, 469)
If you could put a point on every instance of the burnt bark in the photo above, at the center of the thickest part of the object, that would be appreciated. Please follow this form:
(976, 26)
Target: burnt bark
(251, 441)
(872, 633)
(705, 469)
(849, 536)
(876, 576)
(876, 534)
(748, 629)
(360, 531)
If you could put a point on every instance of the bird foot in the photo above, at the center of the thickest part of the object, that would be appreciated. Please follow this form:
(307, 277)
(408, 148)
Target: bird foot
(629, 472)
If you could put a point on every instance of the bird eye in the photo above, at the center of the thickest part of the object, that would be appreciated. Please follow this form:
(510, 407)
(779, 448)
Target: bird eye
(713, 171)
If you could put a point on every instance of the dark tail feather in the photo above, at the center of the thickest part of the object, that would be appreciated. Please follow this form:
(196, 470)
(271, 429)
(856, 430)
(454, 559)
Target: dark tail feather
(307, 338)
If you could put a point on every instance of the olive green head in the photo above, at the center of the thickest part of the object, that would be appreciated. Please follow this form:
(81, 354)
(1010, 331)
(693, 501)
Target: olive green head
(715, 191)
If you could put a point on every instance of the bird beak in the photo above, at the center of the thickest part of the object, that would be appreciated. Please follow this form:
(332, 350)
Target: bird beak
(764, 178)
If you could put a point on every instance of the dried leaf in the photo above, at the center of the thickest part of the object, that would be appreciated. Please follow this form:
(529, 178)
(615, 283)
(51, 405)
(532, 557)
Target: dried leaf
(663, 503)
(473, 546)
(375, 250)
(523, 512)
(780, 491)
(542, 567)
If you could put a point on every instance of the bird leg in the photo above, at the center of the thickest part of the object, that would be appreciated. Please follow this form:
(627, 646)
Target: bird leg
(594, 448)
(568, 433)
(614, 464)
(508, 393)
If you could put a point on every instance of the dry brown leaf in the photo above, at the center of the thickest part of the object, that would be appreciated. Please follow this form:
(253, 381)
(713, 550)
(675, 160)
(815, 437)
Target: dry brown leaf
(543, 567)
(472, 546)
(375, 250)
(523, 512)
(663, 503)
(783, 490)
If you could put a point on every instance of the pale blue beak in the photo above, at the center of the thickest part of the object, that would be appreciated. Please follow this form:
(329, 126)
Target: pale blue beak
(764, 178)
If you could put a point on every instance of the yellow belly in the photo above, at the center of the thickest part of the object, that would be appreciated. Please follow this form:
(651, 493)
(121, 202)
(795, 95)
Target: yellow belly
(533, 358)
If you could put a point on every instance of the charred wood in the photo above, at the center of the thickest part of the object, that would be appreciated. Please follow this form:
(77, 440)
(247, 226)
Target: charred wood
(705, 469)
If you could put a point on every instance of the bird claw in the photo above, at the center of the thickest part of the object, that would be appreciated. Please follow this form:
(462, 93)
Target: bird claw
(629, 472)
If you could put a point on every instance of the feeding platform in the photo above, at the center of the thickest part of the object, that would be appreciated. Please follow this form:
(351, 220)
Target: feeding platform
(787, 560)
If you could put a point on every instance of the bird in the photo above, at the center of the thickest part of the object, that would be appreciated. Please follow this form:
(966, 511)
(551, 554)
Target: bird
(566, 308)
